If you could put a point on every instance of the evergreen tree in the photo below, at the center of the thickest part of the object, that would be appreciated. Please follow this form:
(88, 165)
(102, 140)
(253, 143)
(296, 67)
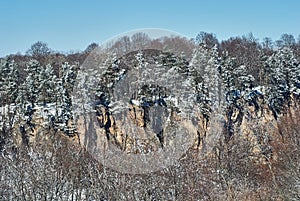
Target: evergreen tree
(9, 78)
(237, 87)
(86, 91)
(33, 82)
(237, 82)
(64, 95)
(290, 67)
(110, 75)
(204, 69)
(48, 84)
(282, 79)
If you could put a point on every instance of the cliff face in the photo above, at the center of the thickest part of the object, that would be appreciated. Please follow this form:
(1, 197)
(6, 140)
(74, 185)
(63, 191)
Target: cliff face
(136, 132)
(259, 128)
(148, 111)
(143, 98)
(139, 129)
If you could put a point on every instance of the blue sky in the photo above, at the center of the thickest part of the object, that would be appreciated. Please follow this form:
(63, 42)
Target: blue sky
(72, 24)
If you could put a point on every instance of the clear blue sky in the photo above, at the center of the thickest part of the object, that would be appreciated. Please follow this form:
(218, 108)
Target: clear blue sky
(72, 24)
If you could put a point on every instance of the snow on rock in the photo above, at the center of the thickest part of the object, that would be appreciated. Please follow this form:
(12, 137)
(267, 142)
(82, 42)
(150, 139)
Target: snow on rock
(135, 102)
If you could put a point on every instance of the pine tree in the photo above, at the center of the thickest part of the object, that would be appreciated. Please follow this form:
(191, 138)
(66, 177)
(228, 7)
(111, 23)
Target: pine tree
(48, 82)
(21, 102)
(204, 69)
(33, 82)
(237, 85)
(9, 78)
(237, 82)
(64, 95)
(85, 91)
(282, 78)
(287, 61)
(111, 73)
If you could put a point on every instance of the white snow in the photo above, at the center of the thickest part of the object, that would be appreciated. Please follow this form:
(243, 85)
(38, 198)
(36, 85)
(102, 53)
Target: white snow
(260, 89)
(135, 102)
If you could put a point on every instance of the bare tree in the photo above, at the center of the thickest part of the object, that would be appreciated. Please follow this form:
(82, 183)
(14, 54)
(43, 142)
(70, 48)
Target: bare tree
(246, 51)
(208, 39)
(140, 40)
(39, 49)
(267, 43)
(288, 40)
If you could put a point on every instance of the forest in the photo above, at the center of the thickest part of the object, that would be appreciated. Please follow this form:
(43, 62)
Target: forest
(241, 95)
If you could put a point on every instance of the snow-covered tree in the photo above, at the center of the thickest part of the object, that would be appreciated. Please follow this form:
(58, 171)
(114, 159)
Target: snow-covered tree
(21, 102)
(170, 60)
(237, 82)
(110, 75)
(48, 85)
(9, 78)
(64, 94)
(28, 93)
(33, 81)
(204, 69)
(290, 67)
(282, 79)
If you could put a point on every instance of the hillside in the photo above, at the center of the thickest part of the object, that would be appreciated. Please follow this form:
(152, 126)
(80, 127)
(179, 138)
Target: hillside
(151, 124)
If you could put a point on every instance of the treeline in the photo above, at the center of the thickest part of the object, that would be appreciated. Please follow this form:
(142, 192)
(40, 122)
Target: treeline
(247, 50)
